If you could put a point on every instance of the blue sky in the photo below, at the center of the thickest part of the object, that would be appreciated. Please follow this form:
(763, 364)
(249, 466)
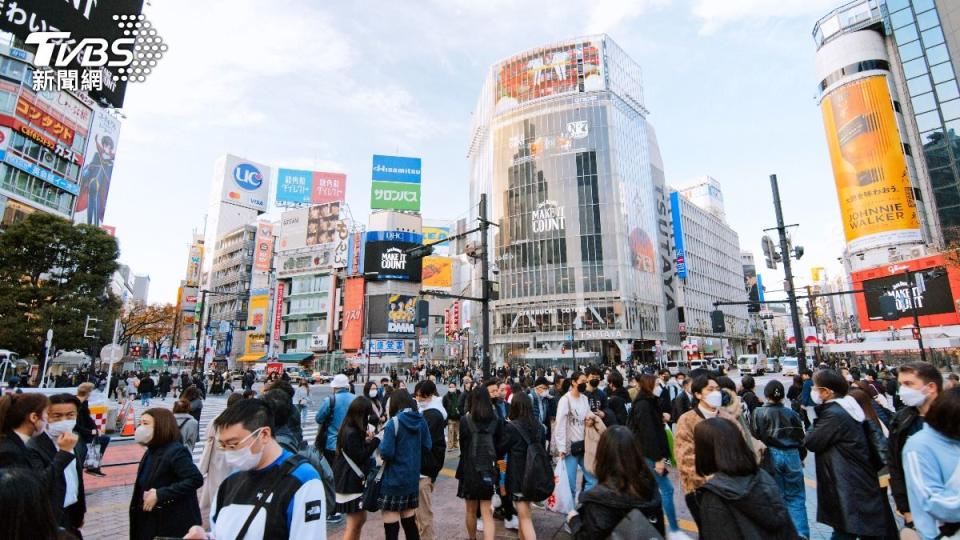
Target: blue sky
(729, 85)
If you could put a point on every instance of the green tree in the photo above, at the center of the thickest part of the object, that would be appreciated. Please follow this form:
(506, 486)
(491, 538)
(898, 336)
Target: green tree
(53, 274)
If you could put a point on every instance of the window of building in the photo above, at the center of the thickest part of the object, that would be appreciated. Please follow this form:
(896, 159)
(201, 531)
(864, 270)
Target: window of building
(927, 20)
(915, 68)
(950, 109)
(901, 18)
(927, 121)
(12, 69)
(931, 37)
(906, 34)
(919, 85)
(947, 91)
(910, 51)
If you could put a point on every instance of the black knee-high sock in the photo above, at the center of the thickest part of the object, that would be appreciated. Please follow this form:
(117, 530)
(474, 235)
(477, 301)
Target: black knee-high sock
(410, 531)
(392, 530)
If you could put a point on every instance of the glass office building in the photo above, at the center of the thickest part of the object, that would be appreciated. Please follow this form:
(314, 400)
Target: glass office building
(571, 167)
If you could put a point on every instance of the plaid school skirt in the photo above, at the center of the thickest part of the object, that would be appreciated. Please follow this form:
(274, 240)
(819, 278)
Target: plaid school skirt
(398, 503)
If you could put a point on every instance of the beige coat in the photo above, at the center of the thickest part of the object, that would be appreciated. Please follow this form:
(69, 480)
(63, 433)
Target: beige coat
(214, 468)
(591, 439)
(683, 443)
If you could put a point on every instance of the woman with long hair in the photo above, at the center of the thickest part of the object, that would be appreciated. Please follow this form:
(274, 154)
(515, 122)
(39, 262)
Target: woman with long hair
(740, 500)
(26, 507)
(646, 422)
(624, 483)
(480, 430)
(522, 430)
(372, 392)
(195, 398)
(164, 501)
(405, 437)
(356, 444)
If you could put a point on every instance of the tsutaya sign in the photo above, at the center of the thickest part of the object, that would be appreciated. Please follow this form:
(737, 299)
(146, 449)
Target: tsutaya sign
(548, 216)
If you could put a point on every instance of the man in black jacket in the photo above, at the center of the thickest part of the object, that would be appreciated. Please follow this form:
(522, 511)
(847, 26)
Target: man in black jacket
(617, 400)
(920, 383)
(683, 402)
(451, 404)
(431, 462)
(64, 481)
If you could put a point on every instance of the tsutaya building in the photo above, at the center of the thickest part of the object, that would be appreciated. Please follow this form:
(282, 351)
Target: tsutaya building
(562, 147)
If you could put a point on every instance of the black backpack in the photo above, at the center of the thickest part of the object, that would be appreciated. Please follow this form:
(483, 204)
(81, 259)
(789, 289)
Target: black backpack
(483, 454)
(322, 434)
(537, 483)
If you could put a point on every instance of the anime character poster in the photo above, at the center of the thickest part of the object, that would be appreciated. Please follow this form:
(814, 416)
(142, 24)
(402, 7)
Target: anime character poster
(97, 169)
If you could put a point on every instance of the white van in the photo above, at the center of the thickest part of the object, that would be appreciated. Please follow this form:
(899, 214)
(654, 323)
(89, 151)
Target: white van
(788, 365)
(673, 367)
(752, 364)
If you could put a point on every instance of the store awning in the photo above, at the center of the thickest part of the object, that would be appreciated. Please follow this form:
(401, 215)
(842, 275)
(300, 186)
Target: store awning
(892, 345)
(253, 357)
(295, 358)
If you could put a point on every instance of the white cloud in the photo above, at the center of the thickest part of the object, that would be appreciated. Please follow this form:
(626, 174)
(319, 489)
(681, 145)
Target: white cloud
(717, 13)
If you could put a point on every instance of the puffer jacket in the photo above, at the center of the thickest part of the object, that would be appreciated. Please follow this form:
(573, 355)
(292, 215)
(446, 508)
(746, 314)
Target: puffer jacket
(744, 507)
(646, 422)
(849, 497)
(777, 426)
(601, 509)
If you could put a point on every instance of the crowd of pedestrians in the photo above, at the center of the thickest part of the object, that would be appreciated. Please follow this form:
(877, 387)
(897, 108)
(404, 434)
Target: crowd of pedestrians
(612, 435)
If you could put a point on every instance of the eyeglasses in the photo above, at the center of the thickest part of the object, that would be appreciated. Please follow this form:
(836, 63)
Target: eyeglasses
(237, 445)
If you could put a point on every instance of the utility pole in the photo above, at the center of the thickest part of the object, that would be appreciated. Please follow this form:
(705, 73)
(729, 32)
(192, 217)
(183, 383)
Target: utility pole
(912, 283)
(200, 348)
(788, 274)
(485, 283)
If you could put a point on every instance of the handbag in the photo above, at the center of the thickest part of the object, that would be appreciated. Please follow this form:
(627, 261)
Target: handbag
(371, 484)
(92, 461)
(577, 448)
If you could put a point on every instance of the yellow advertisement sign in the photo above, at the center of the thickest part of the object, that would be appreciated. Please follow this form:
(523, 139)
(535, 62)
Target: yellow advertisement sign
(437, 273)
(876, 200)
(255, 340)
(817, 273)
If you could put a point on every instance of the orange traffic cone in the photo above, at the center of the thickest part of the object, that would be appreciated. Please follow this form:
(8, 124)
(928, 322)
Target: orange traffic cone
(129, 427)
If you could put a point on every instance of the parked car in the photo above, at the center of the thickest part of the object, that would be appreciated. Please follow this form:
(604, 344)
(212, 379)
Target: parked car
(322, 377)
(673, 367)
(700, 364)
(752, 364)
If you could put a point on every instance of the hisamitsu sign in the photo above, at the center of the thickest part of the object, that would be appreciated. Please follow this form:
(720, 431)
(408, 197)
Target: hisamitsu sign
(396, 169)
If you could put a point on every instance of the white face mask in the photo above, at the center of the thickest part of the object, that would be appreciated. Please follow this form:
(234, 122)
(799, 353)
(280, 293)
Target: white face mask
(372, 393)
(244, 459)
(714, 399)
(816, 398)
(143, 434)
(911, 397)
(55, 429)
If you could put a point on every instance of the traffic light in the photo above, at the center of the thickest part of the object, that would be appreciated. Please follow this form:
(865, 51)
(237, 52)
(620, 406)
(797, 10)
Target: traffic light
(770, 252)
(419, 252)
(423, 314)
(717, 323)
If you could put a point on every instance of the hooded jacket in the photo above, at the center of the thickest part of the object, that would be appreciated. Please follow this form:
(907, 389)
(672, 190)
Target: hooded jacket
(602, 508)
(930, 464)
(436, 416)
(401, 449)
(744, 507)
(849, 497)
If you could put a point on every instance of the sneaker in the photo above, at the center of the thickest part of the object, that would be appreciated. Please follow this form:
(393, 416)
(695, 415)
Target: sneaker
(479, 524)
(334, 519)
(512, 523)
(95, 472)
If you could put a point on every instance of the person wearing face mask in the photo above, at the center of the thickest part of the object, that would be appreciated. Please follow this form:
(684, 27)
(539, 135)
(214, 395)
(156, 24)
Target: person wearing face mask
(849, 496)
(164, 501)
(618, 400)
(65, 485)
(468, 387)
(451, 404)
(708, 403)
(573, 411)
(595, 395)
(429, 404)
(372, 392)
(272, 493)
(919, 384)
(21, 417)
(540, 398)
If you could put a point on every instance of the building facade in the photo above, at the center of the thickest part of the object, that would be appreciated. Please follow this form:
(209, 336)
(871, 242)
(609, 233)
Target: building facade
(229, 282)
(562, 147)
(56, 148)
(714, 273)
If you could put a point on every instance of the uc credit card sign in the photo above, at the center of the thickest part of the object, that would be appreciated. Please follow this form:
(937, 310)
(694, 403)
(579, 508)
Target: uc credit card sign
(396, 169)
